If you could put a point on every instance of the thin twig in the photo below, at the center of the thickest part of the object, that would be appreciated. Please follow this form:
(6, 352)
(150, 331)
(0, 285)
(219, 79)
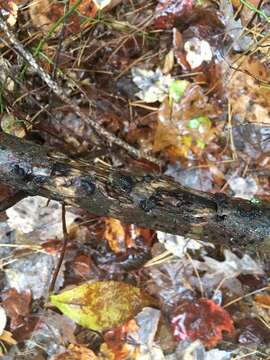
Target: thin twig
(63, 250)
(59, 92)
(254, 14)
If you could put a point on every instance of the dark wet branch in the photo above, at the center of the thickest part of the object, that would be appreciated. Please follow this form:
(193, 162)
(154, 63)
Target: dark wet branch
(149, 201)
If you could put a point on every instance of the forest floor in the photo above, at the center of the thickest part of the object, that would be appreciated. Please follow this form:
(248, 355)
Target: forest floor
(184, 85)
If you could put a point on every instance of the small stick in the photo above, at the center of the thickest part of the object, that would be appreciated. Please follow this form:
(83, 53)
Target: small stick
(63, 250)
(59, 92)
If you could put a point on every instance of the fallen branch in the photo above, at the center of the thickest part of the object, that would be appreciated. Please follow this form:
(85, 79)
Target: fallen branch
(149, 201)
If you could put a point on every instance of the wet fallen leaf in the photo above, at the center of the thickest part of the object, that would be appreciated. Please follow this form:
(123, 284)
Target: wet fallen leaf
(184, 127)
(202, 319)
(44, 14)
(234, 28)
(248, 97)
(81, 266)
(252, 331)
(227, 271)
(178, 245)
(33, 272)
(17, 305)
(116, 341)
(121, 237)
(115, 234)
(76, 352)
(39, 220)
(153, 84)
(101, 305)
(197, 51)
(245, 188)
(168, 11)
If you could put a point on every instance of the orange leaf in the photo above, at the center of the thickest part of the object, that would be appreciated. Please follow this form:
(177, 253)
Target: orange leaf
(263, 299)
(115, 234)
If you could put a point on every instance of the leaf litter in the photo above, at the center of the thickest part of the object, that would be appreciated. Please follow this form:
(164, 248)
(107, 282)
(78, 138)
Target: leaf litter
(187, 81)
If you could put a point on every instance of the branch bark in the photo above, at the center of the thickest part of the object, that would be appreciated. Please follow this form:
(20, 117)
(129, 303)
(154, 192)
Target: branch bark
(149, 201)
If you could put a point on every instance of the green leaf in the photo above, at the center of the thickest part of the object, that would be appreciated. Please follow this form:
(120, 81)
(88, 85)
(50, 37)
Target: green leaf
(177, 89)
(194, 123)
(197, 122)
(200, 143)
(101, 305)
(255, 201)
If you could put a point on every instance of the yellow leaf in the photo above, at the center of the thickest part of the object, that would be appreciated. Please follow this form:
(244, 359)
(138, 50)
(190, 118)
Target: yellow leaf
(7, 338)
(101, 305)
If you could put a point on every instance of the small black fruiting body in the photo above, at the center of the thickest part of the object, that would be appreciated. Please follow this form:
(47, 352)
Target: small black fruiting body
(22, 173)
(123, 182)
(87, 185)
(148, 204)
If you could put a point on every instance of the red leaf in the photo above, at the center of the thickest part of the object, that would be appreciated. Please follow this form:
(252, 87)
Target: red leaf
(204, 320)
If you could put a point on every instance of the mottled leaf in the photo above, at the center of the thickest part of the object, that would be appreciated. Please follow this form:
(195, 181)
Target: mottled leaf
(101, 305)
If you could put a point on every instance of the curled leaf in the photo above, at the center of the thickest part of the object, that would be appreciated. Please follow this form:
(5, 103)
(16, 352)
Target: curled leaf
(101, 305)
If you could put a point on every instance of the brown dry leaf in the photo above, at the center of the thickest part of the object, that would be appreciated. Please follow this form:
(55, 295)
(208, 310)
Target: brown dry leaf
(86, 7)
(44, 13)
(168, 62)
(16, 304)
(90, 8)
(76, 352)
(247, 92)
(261, 307)
(38, 12)
(263, 299)
(9, 9)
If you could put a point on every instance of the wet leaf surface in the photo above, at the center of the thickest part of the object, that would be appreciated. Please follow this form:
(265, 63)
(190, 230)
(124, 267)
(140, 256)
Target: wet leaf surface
(202, 320)
(101, 305)
(186, 81)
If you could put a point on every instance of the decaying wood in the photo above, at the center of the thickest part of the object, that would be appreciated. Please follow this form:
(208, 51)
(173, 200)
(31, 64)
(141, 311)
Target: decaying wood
(149, 201)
